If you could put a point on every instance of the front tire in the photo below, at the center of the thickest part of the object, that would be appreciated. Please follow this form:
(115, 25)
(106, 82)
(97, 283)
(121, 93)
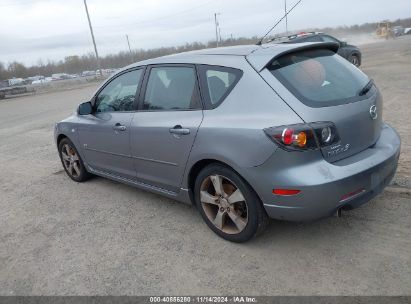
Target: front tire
(228, 205)
(355, 60)
(72, 162)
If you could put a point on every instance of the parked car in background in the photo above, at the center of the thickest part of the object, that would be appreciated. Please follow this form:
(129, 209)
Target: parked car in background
(88, 73)
(348, 51)
(14, 86)
(61, 76)
(13, 82)
(398, 31)
(34, 78)
(108, 72)
(42, 80)
(286, 131)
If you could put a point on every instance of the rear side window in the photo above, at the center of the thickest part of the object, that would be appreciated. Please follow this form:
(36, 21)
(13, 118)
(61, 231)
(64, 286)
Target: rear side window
(171, 88)
(319, 78)
(217, 82)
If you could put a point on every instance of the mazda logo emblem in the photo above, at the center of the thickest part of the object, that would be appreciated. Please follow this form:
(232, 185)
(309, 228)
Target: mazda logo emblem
(373, 112)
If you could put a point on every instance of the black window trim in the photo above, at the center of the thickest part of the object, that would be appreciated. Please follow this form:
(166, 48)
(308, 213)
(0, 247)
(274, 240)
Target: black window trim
(110, 80)
(202, 69)
(145, 82)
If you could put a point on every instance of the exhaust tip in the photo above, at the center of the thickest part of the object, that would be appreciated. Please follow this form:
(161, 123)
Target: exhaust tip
(338, 212)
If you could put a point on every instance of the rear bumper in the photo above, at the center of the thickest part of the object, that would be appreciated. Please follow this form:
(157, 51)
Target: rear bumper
(325, 186)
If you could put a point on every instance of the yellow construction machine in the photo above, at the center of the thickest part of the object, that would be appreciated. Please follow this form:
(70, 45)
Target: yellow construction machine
(384, 29)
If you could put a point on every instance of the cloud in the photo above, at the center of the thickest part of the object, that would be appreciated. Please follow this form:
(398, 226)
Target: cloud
(51, 29)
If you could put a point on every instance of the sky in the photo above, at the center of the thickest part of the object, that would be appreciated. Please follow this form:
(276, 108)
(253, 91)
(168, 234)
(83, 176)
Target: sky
(34, 30)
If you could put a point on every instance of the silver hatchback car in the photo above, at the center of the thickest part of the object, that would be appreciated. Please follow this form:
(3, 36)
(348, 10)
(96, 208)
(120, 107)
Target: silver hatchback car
(282, 131)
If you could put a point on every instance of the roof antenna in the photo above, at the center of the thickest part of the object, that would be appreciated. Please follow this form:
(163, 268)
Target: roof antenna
(260, 42)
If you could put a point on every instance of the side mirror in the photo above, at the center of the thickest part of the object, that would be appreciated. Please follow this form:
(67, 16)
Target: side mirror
(85, 108)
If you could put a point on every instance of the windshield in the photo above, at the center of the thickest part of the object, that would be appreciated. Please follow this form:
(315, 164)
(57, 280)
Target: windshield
(319, 78)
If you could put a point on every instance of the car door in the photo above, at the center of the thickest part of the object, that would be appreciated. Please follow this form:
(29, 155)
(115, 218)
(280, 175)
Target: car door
(105, 134)
(165, 126)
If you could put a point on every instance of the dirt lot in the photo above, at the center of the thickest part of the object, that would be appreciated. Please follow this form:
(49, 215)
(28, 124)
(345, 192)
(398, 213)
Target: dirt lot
(101, 237)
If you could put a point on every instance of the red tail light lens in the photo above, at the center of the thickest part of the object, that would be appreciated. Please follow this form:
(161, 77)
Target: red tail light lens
(304, 136)
(287, 136)
(286, 191)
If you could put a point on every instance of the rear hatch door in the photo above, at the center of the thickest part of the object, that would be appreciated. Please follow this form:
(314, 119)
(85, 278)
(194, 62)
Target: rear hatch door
(322, 86)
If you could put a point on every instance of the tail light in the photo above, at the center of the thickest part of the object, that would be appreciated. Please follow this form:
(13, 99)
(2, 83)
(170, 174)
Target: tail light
(304, 136)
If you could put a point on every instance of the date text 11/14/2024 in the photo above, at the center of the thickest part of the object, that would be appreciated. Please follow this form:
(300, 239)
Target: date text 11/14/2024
(203, 299)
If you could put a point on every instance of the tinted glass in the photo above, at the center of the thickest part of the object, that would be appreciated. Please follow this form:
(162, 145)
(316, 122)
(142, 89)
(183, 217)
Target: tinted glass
(218, 82)
(328, 39)
(171, 88)
(120, 93)
(319, 77)
(313, 38)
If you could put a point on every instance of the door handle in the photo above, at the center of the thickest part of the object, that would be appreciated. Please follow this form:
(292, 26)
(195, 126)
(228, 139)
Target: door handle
(178, 129)
(119, 127)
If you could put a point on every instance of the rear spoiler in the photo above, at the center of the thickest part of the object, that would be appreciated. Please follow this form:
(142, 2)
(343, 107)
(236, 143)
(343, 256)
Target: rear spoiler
(263, 56)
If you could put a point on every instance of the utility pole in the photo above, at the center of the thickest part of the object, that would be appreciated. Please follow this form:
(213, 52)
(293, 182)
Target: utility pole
(128, 42)
(286, 17)
(92, 37)
(216, 29)
(260, 42)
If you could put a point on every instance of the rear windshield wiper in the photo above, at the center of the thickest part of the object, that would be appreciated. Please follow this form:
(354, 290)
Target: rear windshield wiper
(366, 88)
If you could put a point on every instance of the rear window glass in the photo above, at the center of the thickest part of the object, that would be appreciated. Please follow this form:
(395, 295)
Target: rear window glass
(319, 78)
(217, 82)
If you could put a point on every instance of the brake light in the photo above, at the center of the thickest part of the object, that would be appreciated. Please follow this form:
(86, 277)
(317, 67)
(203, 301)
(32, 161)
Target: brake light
(287, 136)
(304, 136)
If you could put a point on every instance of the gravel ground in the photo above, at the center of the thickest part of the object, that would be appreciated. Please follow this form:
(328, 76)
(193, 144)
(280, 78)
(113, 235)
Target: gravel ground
(62, 238)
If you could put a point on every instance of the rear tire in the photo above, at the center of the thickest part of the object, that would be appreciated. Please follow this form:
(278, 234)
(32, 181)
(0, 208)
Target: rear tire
(228, 205)
(72, 162)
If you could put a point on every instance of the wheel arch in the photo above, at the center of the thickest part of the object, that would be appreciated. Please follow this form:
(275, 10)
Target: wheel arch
(357, 54)
(60, 137)
(196, 168)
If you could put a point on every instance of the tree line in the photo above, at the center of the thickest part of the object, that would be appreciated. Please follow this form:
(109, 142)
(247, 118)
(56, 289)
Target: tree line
(76, 64)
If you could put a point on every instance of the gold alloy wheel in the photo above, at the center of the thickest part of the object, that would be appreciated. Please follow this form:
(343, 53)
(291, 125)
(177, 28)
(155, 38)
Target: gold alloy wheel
(71, 160)
(224, 204)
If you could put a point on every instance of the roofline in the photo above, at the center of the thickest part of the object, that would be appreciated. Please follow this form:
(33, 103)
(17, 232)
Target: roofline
(258, 56)
(261, 58)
